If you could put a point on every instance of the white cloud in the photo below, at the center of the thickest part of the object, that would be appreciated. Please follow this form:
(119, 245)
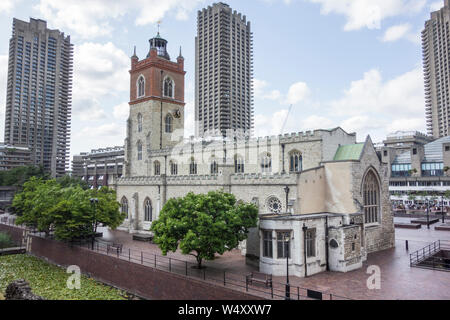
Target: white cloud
(400, 31)
(314, 122)
(100, 69)
(437, 5)
(298, 92)
(396, 32)
(107, 134)
(368, 13)
(122, 111)
(92, 18)
(401, 95)
(6, 6)
(189, 120)
(406, 124)
(270, 125)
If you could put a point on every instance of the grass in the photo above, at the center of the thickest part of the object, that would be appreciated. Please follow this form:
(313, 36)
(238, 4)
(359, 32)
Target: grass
(50, 281)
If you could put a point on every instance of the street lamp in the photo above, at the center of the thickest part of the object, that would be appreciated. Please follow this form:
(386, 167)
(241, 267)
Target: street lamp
(428, 213)
(287, 239)
(305, 228)
(94, 202)
(286, 189)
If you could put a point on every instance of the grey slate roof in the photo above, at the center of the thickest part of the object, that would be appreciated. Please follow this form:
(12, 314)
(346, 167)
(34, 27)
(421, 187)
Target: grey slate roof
(433, 152)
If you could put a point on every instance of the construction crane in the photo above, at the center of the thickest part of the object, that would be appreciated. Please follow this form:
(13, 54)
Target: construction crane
(285, 121)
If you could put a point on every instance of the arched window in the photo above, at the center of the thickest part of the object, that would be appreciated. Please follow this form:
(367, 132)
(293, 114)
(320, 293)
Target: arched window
(124, 206)
(371, 193)
(157, 168)
(141, 87)
(139, 118)
(238, 165)
(295, 164)
(139, 150)
(266, 163)
(214, 167)
(169, 123)
(193, 167)
(274, 205)
(168, 87)
(148, 210)
(173, 168)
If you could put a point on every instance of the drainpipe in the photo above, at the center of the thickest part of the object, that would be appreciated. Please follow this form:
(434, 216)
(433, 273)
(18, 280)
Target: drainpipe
(326, 243)
(304, 249)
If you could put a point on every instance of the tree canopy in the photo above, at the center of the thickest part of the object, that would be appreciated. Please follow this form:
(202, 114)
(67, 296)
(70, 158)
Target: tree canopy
(204, 224)
(18, 176)
(66, 208)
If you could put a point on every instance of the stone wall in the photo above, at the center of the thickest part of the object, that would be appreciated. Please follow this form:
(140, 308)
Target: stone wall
(141, 280)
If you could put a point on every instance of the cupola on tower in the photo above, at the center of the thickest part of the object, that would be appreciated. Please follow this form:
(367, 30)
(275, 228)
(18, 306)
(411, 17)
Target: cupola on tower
(156, 119)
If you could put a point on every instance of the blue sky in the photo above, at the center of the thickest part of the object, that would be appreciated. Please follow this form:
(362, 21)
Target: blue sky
(350, 63)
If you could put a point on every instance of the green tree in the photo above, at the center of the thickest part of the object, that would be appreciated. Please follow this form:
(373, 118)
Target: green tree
(68, 211)
(203, 225)
(76, 217)
(34, 204)
(18, 176)
(68, 181)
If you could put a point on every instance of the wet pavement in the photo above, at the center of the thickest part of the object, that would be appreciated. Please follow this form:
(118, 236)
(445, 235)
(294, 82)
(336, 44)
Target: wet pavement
(398, 279)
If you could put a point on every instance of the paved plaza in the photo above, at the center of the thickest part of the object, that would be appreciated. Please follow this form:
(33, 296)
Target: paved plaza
(398, 279)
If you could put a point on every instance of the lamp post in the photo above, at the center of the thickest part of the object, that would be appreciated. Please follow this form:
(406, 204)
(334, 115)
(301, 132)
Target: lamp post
(286, 189)
(94, 202)
(287, 239)
(428, 213)
(305, 228)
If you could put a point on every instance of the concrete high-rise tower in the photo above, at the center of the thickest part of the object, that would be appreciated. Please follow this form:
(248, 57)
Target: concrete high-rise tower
(224, 72)
(436, 64)
(38, 100)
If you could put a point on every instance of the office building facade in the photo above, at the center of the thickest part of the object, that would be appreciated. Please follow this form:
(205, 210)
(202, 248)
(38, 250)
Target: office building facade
(224, 72)
(38, 101)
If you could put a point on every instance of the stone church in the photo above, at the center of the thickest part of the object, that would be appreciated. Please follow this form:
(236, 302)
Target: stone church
(323, 198)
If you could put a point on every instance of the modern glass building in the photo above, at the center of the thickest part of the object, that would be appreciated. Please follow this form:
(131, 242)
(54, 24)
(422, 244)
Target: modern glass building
(38, 101)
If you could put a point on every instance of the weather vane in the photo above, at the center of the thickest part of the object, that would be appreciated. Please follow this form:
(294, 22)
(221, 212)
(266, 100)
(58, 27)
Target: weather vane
(159, 24)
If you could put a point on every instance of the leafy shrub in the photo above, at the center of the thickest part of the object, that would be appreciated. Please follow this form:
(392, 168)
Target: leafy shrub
(5, 241)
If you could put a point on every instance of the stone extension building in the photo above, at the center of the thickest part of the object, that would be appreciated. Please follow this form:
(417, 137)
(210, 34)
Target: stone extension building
(336, 211)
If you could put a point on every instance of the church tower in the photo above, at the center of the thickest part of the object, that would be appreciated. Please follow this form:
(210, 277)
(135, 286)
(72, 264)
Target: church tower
(156, 119)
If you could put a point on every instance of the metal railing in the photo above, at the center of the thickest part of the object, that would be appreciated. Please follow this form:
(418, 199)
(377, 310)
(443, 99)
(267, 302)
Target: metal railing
(276, 291)
(428, 257)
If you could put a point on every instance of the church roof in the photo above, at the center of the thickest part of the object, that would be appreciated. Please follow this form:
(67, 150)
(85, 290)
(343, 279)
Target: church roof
(349, 152)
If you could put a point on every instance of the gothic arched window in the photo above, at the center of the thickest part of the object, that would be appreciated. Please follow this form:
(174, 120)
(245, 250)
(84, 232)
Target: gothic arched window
(238, 164)
(148, 210)
(157, 168)
(193, 167)
(124, 206)
(214, 167)
(371, 194)
(173, 168)
(169, 123)
(139, 118)
(141, 87)
(168, 87)
(295, 164)
(266, 163)
(139, 150)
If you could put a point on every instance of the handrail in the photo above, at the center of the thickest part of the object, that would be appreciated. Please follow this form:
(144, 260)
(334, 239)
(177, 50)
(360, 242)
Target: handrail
(188, 269)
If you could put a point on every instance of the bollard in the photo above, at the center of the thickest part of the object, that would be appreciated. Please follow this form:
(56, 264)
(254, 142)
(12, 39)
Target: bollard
(407, 245)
